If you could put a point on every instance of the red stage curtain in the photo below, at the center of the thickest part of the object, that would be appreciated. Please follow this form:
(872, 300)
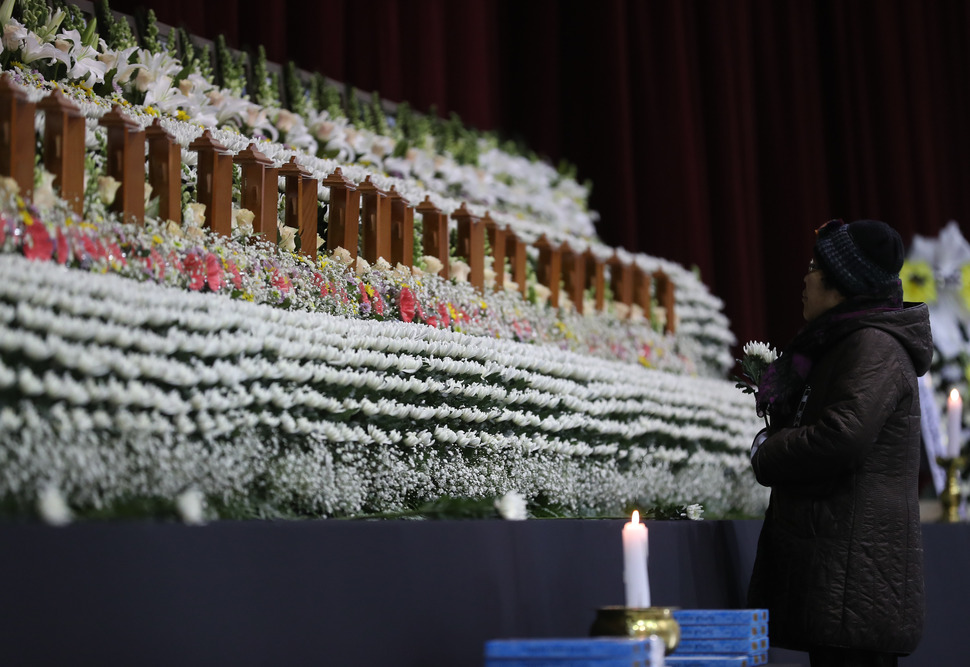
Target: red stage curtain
(717, 134)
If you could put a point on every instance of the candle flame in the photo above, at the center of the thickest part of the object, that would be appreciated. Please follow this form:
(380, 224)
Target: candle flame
(954, 395)
(636, 517)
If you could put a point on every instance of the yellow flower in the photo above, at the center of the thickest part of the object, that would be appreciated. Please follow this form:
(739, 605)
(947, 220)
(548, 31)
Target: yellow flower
(965, 284)
(644, 361)
(369, 290)
(918, 281)
(157, 239)
(182, 115)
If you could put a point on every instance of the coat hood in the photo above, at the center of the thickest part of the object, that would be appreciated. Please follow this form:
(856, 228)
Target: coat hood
(911, 327)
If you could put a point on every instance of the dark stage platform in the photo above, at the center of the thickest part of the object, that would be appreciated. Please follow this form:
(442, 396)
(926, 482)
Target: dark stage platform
(420, 594)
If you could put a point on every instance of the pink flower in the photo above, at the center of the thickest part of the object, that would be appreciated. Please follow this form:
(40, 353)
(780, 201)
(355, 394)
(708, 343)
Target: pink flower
(236, 276)
(406, 304)
(443, 311)
(194, 270)
(63, 249)
(37, 242)
(280, 282)
(213, 271)
(115, 253)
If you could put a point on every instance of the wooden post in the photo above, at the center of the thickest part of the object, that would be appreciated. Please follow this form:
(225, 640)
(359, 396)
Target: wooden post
(642, 295)
(515, 250)
(402, 230)
(165, 171)
(621, 280)
(434, 234)
(471, 244)
(496, 239)
(574, 271)
(343, 218)
(665, 297)
(126, 163)
(260, 190)
(595, 277)
(17, 135)
(549, 269)
(301, 205)
(215, 182)
(64, 147)
(375, 210)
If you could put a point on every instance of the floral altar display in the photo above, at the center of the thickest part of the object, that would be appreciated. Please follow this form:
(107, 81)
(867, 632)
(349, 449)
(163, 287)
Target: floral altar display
(161, 365)
(937, 272)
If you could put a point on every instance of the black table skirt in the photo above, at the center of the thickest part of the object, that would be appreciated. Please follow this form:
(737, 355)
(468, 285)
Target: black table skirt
(421, 594)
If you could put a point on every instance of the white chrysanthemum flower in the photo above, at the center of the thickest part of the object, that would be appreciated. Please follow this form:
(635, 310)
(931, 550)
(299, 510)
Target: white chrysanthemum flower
(695, 511)
(761, 350)
(191, 507)
(52, 507)
(512, 506)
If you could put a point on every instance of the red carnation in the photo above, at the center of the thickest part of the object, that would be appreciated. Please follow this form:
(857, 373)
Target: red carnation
(280, 282)
(236, 276)
(193, 267)
(63, 249)
(406, 304)
(213, 271)
(37, 242)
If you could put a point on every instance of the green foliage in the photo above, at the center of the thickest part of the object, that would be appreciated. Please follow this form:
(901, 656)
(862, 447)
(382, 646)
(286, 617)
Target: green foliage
(230, 71)
(377, 117)
(149, 34)
(33, 13)
(296, 94)
(354, 111)
(325, 96)
(172, 45)
(116, 32)
(73, 16)
(567, 169)
(186, 49)
(203, 63)
(264, 92)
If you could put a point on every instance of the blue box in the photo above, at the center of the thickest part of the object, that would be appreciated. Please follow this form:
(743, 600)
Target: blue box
(721, 616)
(745, 646)
(708, 661)
(565, 662)
(595, 647)
(723, 631)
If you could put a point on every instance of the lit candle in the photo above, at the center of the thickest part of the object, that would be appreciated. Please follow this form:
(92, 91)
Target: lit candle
(635, 563)
(954, 422)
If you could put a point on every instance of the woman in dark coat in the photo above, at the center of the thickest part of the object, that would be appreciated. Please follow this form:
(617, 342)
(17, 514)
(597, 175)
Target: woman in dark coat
(840, 559)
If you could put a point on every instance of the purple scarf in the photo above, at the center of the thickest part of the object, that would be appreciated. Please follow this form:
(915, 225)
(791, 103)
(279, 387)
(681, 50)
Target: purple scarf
(783, 382)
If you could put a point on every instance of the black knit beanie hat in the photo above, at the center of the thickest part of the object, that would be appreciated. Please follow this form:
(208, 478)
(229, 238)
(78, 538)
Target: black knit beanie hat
(861, 257)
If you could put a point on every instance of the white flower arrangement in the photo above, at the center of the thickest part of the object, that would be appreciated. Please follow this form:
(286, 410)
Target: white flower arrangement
(144, 409)
(121, 389)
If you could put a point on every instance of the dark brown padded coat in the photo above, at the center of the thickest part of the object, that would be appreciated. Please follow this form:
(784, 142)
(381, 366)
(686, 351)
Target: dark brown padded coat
(840, 557)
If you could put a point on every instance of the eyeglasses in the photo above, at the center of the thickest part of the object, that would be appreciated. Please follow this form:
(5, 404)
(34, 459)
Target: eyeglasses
(813, 266)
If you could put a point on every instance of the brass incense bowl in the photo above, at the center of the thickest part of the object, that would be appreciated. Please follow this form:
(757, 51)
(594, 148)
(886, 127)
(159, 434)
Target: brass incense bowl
(638, 624)
(950, 498)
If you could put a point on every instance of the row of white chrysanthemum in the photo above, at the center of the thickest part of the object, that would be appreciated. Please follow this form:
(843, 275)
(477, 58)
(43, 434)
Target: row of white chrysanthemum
(152, 366)
(389, 337)
(451, 354)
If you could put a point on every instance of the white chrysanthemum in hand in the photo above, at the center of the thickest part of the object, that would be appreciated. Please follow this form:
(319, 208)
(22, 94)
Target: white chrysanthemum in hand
(760, 350)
